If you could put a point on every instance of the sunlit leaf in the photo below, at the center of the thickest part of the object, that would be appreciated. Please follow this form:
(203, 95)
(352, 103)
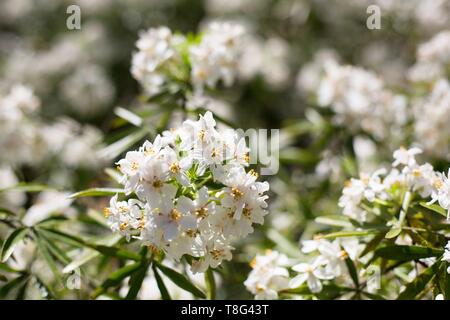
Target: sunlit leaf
(14, 238)
(161, 286)
(97, 192)
(415, 287)
(406, 253)
(180, 280)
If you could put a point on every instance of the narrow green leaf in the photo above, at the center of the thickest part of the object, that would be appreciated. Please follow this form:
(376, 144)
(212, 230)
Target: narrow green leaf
(63, 237)
(406, 253)
(372, 244)
(86, 256)
(116, 278)
(180, 280)
(26, 187)
(97, 192)
(161, 286)
(373, 296)
(14, 238)
(22, 290)
(393, 233)
(137, 279)
(113, 150)
(51, 220)
(128, 116)
(415, 287)
(434, 207)
(334, 220)
(6, 268)
(7, 212)
(115, 252)
(341, 234)
(352, 271)
(45, 252)
(11, 285)
(445, 280)
(54, 249)
(329, 291)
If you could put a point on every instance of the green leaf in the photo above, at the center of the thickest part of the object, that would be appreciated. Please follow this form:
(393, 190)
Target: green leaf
(373, 296)
(26, 187)
(180, 280)
(86, 256)
(6, 212)
(393, 233)
(434, 207)
(407, 253)
(116, 278)
(210, 284)
(128, 116)
(63, 237)
(3, 278)
(113, 150)
(161, 286)
(115, 252)
(14, 238)
(334, 220)
(54, 249)
(329, 291)
(97, 192)
(372, 244)
(415, 287)
(12, 284)
(352, 271)
(6, 268)
(51, 220)
(341, 234)
(137, 278)
(45, 252)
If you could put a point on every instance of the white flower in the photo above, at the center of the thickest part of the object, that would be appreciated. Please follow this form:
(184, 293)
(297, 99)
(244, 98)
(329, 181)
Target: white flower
(156, 48)
(405, 157)
(442, 193)
(216, 57)
(269, 275)
(446, 256)
(311, 274)
(175, 211)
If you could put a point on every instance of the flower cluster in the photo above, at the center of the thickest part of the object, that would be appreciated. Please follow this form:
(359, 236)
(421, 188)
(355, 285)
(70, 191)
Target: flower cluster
(164, 57)
(328, 262)
(431, 131)
(433, 59)
(193, 193)
(269, 275)
(405, 173)
(216, 56)
(360, 100)
(17, 128)
(325, 260)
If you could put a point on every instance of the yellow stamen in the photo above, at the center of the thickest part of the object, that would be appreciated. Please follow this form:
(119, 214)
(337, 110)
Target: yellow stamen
(202, 212)
(236, 193)
(175, 215)
(175, 167)
(106, 212)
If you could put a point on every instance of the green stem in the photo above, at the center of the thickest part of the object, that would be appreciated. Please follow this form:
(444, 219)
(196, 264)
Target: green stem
(210, 284)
